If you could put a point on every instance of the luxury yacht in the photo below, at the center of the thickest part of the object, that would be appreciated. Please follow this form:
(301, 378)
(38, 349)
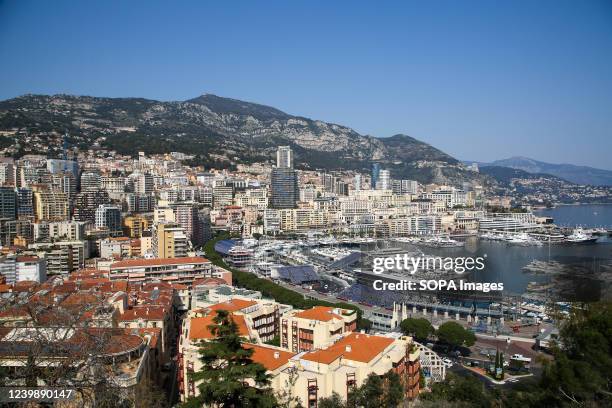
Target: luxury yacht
(580, 237)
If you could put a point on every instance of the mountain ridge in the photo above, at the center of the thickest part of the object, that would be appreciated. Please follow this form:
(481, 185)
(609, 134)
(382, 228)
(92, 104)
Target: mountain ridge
(577, 174)
(216, 130)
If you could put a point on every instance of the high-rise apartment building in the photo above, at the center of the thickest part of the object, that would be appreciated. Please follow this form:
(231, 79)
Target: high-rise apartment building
(109, 217)
(86, 204)
(357, 182)
(25, 203)
(135, 225)
(144, 184)
(284, 188)
(374, 175)
(284, 191)
(170, 241)
(51, 206)
(384, 180)
(7, 173)
(284, 157)
(90, 181)
(8, 203)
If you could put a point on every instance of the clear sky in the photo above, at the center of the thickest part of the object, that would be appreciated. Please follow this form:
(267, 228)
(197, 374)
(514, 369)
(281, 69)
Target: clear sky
(479, 80)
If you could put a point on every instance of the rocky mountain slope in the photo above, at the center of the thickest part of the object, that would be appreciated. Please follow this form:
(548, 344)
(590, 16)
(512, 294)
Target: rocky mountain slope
(569, 172)
(216, 130)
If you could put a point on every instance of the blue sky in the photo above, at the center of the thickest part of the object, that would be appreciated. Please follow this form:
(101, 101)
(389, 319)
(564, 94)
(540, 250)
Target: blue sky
(479, 80)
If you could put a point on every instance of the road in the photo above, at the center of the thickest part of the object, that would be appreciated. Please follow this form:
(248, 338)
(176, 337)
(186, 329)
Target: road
(435, 322)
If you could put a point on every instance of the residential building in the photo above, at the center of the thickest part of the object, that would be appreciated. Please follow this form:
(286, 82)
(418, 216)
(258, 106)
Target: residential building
(304, 330)
(172, 270)
(284, 192)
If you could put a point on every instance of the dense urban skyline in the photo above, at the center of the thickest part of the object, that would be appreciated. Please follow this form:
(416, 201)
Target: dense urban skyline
(466, 78)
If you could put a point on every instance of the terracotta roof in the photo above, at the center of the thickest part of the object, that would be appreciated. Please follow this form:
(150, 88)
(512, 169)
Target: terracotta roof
(320, 313)
(81, 299)
(209, 281)
(363, 348)
(233, 305)
(15, 312)
(143, 312)
(134, 263)
(25, 286)
(199, 327)
(265, 356)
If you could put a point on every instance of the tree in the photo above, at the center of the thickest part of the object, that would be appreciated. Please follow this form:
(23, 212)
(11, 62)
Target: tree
(370, 394)
(419, 328)
(458, 389)
(455, 335)
(228, 370)
(581, 372)
(394, 390)
(333, 401)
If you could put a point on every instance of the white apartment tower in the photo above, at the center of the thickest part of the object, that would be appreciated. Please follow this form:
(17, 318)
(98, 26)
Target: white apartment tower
(284, 157)
(384, 180)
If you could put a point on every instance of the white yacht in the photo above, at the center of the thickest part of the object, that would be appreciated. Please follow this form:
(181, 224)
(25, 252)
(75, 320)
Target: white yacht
(523, 239)
(579, 236)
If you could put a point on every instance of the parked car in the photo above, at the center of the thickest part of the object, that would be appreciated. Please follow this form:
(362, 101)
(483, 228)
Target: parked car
(447, 362)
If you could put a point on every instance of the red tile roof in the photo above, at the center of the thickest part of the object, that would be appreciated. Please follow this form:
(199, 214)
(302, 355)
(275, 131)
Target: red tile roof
(233, 305)
(199, 329)
(320, 313)
(209, 281)
(355, 346)
(267, 357)
(135, 263)
(144, 313)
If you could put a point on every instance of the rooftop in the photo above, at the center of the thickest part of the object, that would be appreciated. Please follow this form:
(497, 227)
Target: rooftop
(134, 263)
(320, 313)
(269, 357)
(199, 329)
(356, 346)
(233, 305)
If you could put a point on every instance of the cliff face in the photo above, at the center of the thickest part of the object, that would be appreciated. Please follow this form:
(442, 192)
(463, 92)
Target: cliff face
(212, 126)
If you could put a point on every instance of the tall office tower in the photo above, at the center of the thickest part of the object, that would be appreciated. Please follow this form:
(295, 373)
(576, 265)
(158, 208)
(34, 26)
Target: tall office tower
(51, 206)
(284, 188)
(374, 175)
(144, 184)
(170, 241)
(284, 157)
(384, 180)
(90, 181)
(86, 204)
(109, 217)
(357, 182)
(7, 173)
(8, 203)
(25, 203)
